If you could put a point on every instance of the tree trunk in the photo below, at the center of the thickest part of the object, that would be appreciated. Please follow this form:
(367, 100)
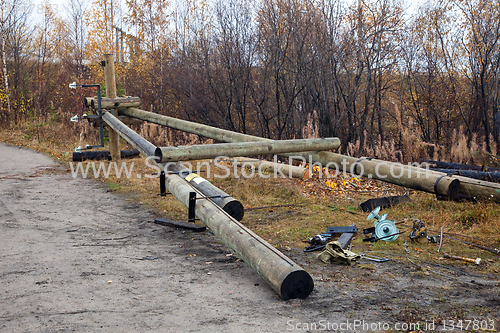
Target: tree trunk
(5, 78)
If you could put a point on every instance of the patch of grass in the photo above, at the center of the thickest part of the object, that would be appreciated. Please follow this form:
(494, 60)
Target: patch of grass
(113, 186)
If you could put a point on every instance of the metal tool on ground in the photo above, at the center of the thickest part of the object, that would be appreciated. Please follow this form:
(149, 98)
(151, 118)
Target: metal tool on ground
(347, 235)
(419, 231)
(383, 229)
(373, 258)
(440, 240)
(178, 224)
(341, 230)
(474, 261)
(374, 238)
(318, 242)
(374, 215)
(434, 239)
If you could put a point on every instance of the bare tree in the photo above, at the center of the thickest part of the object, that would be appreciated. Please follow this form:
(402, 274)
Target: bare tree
(8, 19)
(76, 11)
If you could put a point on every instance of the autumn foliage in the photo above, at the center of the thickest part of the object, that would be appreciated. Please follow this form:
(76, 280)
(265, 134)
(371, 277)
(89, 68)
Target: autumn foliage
(388, 80)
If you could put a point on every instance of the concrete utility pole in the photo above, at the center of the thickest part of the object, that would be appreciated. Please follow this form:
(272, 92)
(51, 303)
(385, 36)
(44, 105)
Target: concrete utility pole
(109, 77)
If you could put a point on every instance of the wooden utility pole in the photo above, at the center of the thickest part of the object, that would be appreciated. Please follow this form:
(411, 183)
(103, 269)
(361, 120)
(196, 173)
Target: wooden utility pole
(109, 77)
(234, 149)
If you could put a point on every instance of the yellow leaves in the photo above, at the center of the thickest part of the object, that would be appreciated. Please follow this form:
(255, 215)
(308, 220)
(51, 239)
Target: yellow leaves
(344, 185)
(101, 20)
(149, 19)
(331, 184)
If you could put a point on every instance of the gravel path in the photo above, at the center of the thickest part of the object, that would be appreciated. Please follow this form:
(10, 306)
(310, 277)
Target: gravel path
(75, 256)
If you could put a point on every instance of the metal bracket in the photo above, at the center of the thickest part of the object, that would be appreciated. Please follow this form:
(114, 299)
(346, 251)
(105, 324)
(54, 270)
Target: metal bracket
(355, 169)
(99, 115)
(192, 204)
(191, 207)
(163, 189)
(341, 230)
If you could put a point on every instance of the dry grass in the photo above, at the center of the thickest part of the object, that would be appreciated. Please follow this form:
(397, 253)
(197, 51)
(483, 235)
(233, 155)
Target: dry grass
(412, 148)
(311, 205)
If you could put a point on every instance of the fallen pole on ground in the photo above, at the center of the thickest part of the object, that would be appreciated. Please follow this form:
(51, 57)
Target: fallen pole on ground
(286, 278)
(283, 275)
(201, 152)
(221, 198)
(412, 177)
(444, 186)
(229, 204)
(479, 189)
(475, 174)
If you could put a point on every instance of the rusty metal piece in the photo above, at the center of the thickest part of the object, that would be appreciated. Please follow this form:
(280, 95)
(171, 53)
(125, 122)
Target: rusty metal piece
(474, 261)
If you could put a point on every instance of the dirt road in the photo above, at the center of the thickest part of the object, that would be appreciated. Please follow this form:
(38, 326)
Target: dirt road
(76, 257)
